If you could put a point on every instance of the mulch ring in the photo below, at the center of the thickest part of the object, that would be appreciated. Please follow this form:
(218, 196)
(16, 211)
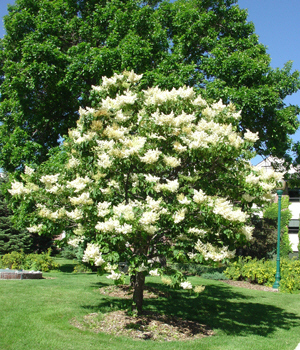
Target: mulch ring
(248, 285)
(150, 325)
(126, 292)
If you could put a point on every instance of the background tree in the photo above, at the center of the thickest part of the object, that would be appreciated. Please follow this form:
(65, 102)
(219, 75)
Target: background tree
(55, 50)
(11, 239)
(147, 173)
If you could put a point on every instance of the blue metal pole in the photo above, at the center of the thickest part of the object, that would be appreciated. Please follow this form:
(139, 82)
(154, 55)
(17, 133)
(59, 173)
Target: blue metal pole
(277, 275)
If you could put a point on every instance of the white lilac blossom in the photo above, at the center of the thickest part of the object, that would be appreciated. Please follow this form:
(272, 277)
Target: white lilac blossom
(197, 231)
(151, 156)
(154, 273)
(28, 171)
(103, 208)
(49, 179)
(179, 215)
(186, 285)
(149, 217)
(18, 188)
(182, 199)
(92, 253)
(74, 242)
(172, 161)
(75, 214)
(151, 178)
(199, 196)
(35, 228)
(250, 136)
(79, 183)
(211, 252)
(104, 161)
(83, 199)
(114, 276)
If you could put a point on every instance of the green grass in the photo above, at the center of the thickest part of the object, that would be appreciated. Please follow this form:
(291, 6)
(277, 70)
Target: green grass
(36, 314)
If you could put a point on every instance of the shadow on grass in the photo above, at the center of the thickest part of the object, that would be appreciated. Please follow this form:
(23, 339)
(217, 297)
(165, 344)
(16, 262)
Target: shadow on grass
(218, 307)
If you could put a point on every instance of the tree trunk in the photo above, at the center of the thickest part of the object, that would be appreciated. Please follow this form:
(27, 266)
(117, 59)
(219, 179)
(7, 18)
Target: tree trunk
(138, 294)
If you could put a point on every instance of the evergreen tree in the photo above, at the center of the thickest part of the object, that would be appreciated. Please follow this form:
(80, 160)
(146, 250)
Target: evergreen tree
(11, 239)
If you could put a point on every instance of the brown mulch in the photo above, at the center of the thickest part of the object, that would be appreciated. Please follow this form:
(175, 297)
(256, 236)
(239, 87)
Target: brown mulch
(126, 292)
(150, 325)
(248, 285)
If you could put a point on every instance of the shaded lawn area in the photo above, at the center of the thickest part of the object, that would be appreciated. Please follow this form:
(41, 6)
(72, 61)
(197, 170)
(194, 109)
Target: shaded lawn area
(37, 314)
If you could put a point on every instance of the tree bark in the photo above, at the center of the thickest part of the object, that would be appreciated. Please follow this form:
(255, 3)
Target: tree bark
(138, 294)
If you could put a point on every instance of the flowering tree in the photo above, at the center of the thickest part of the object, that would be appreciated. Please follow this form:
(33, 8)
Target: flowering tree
(147, 173)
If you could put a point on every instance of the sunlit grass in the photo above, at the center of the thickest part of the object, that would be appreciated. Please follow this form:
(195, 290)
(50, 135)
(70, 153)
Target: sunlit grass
(37, 314)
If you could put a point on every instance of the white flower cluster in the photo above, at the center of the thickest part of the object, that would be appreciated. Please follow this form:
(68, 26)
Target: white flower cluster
(186, 285)
(35, 228)
(154, 273)
(79, 183)
(247, 197)
(197, 231)
(75, 214)
(79, 137)
(247, 232)
(120, 101)
(117, 80)
(18, 188)
(92, 254)
(114, 276)
(28, 171)
(124, 210)
(54, 189)
(74, 242)
(199, 196)
(73, 162)
(183, 200)
(151, 156)
(171, 186)
(102, 208)
(250, 136)
(49, 179)
(179, 215)
(213, 253)
(44, 212)
(149, 217)
(156, 96)
(151, 178)
(113, 270)
(172, 161)
(227, 211)
(83, 199)
(112, 225)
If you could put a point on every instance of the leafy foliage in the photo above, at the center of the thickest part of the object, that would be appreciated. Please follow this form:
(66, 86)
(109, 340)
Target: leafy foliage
(263, 272)
(37, 262)
(55, 50)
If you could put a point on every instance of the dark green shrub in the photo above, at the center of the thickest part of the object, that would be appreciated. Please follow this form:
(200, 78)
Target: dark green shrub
(81, 268)
(214, 276)
(68, 252)
(264, 242)
(197, 269)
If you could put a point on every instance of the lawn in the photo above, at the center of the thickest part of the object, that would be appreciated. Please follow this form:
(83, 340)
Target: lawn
(37, 314)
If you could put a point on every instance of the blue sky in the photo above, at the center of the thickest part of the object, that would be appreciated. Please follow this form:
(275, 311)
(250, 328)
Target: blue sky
(277, 25)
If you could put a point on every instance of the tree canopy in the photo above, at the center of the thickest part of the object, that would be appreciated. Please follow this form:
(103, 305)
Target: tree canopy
(147, 174)
(55, 50)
